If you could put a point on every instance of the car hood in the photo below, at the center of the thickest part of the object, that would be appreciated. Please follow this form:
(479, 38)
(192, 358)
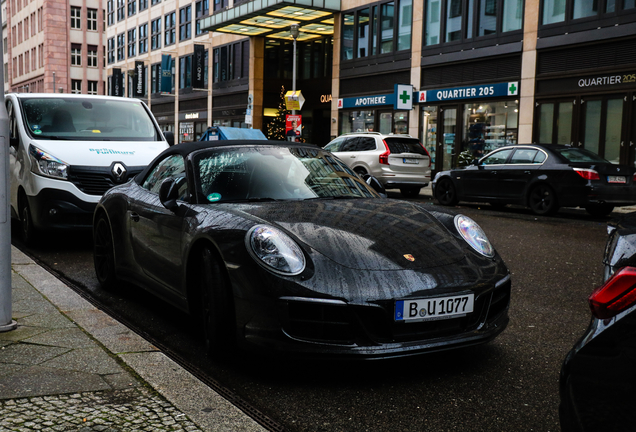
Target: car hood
(366, 234)
(102, 153)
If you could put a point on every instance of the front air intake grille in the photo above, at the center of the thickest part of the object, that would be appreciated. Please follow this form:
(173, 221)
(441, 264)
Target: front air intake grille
(97, 180)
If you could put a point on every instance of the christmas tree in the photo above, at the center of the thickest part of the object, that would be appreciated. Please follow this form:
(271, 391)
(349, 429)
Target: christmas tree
(276, 126)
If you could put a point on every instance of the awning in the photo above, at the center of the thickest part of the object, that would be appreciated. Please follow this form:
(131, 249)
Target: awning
(273, 18)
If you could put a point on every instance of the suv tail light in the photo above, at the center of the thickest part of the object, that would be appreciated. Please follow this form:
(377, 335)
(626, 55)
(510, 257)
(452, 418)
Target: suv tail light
(616, 295)
(587, 174)
(429, 156)
(384, 157)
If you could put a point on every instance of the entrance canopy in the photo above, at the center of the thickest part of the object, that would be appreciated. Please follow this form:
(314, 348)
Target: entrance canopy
(273, 18)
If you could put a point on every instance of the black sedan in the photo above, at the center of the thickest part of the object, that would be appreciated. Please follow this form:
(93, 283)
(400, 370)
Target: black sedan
(598, 377)
(281, 247)
(542, 177)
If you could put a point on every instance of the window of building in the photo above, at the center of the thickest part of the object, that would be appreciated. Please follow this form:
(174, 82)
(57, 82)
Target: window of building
(110, 7)
(566, 11)
(132, 7)
(220, 4)
(185, 72)
(26, 63)
(132, 42)
(76, 55)
(154, 2)
(91, 19)
(185, 23)
(155, 77)
(76, 86)
(92, 88)
(314, 59)
(451, 21)
(143, 38)
(143, 5)
(121, 10)
(33, 25)
(91, 56)
(34, 58)
(155, 35)
(19, 33)
(202, 9)
(379, 29)
(76, 16)
(26, 28)
(170, 25)
(121, 44)
(111, 50)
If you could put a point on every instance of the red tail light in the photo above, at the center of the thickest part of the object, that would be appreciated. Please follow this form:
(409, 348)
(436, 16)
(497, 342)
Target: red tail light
(587, 174)
(429, 156)
(616, 295)
(384, 157)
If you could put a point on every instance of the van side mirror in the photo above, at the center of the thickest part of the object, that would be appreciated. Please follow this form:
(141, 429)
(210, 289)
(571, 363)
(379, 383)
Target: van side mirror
(169, 135)
(168, 194)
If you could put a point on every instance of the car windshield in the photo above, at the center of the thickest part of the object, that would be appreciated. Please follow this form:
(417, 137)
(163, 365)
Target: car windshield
(274, 173)
(88, 119)
(580, 155)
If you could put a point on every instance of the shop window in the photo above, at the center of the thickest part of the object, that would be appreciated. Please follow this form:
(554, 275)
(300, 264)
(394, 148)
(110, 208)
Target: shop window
(387, 25)
(468, 20)
(555, 123)
(357, 121)
(488, 126)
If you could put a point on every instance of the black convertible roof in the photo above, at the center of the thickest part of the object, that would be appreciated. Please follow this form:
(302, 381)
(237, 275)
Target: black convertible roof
(185, 149)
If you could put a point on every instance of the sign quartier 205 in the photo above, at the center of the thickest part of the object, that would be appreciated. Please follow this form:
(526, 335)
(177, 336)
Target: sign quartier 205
(439, 95)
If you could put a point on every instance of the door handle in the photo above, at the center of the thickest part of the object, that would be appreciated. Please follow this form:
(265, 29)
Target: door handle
(527, 172)
(134, 217)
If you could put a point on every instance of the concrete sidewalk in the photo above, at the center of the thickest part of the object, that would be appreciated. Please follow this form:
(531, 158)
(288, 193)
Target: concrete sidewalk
(70, 367)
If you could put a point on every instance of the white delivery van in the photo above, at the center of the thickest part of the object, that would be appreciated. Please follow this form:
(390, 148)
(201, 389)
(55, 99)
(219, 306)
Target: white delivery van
(67, 150)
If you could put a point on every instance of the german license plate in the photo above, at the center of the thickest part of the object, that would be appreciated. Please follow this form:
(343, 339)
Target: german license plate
(410, 161)
(616, 179)
(432, 309)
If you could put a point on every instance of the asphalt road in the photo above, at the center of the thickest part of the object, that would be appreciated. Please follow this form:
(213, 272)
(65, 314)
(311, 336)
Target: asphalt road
(510, 384)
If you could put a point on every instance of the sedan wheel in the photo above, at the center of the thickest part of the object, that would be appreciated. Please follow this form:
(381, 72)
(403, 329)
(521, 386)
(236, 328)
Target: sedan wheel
(543, 200)
(445, 192)
(217, 313)
(104, 254)
(599, 210)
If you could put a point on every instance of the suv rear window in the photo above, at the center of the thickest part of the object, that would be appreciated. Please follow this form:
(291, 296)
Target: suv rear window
(404, 145)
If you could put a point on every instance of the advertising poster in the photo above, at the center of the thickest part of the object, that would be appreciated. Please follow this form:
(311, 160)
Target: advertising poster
(293, 126)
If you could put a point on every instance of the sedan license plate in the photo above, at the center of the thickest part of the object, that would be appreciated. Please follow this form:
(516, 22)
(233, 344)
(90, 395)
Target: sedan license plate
(432, 309)
(410, 161)
(616, 179)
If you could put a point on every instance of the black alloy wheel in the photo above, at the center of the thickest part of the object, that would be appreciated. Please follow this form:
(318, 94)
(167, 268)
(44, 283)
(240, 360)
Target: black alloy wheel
(26, 222)
(543, 200)
(104, 254)
(445, 192)
(216, 313)
(599, 210)
(412, 192)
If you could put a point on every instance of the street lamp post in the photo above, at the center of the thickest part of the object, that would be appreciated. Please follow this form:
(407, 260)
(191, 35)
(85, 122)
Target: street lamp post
(294, 33)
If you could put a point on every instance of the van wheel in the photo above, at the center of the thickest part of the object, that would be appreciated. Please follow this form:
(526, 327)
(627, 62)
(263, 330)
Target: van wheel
(26, 222)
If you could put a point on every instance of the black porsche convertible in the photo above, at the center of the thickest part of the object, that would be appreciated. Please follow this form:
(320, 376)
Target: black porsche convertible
(281, 247)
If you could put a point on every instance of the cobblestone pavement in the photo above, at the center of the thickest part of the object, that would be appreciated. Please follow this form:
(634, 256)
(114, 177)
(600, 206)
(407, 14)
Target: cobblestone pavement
(136, 409)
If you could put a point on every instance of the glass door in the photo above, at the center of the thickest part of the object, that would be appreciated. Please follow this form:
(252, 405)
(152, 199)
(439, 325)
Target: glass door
(448, 139)
(602, 127)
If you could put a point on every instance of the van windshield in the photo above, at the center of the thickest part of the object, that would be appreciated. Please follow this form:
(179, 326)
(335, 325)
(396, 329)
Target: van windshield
(88, 119)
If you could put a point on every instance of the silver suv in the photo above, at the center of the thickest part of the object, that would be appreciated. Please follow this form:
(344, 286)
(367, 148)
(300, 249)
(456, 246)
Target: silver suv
(397, 161)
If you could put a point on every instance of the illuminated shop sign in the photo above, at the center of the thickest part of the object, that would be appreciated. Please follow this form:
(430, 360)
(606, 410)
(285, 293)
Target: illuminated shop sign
(469, 92)
(366, 101)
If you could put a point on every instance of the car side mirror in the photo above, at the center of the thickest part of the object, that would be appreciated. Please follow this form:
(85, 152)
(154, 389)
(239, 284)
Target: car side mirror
(169, 135)
(375, 185)
(168, 194)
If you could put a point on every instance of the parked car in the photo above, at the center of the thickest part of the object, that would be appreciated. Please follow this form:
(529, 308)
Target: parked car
(397, 161)
(67, 150)
(282, 247)
(598, 376)
(543, 177)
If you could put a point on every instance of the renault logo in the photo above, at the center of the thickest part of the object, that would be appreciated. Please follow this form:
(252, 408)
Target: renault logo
(119, 171)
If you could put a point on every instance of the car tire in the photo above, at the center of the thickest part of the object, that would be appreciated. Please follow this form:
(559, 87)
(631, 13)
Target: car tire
(445, 192)
(216, 308)
(104, 254)
(543, 200)
(28, 231)
(413, 192)
(599, 210)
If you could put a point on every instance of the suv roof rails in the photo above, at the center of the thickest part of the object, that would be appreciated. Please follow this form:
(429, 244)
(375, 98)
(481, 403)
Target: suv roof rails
(376, 133)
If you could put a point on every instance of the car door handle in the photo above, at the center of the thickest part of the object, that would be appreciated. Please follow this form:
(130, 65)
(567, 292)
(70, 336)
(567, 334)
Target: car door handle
(527, 172)
(134, 217)
(493, 172)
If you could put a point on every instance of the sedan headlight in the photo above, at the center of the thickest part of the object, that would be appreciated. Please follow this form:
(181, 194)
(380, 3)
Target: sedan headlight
(474, 235)
(276, 250)
(44, 164)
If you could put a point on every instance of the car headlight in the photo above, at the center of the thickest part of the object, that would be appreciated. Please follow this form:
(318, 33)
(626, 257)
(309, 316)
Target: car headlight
(474, 235)
(276, 250)
(47, 165)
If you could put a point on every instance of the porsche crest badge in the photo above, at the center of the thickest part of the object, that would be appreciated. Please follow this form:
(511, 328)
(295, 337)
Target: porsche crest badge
(409, 257)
